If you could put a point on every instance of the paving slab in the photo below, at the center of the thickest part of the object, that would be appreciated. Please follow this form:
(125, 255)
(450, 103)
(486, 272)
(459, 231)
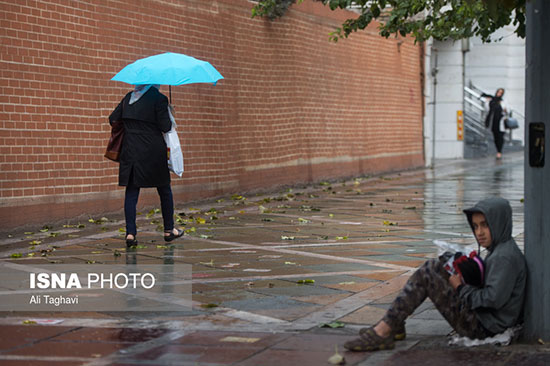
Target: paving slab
(359, 239)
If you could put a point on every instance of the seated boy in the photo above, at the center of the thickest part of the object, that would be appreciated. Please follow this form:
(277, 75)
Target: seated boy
(472, 311)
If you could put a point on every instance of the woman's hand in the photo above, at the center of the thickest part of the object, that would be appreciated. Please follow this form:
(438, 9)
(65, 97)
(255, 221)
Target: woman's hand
(455, 280)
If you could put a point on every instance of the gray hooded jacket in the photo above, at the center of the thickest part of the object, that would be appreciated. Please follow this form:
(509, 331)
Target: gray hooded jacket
(499, 303)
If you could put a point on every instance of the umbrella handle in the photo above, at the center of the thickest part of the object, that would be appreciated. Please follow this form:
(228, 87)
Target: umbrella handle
(170, 92)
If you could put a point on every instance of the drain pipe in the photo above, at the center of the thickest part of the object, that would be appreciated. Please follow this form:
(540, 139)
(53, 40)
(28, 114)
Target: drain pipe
(434, 75)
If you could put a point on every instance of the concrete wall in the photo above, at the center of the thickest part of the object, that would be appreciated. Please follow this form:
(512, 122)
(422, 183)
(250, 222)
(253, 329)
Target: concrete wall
(446, 57)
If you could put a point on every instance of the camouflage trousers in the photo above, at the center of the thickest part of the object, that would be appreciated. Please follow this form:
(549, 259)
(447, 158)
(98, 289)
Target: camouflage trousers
(432, 281)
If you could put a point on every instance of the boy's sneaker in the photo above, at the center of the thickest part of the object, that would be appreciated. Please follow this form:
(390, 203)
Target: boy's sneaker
(399, 334)
(369, 341)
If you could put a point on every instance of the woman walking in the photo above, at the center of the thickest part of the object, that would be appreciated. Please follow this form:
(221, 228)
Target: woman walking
(494, 119)
(143, 159)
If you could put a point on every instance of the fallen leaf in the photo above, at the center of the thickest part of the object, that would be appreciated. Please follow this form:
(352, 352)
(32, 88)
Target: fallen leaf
(290, 263)
(256, 270)
(304, 282)
(341, 238)
(29, 322)
(152, 212)
(336, 358)
(211, 263)
(47, 321)
(541, 341)
(16, 255)
(206, 236)
(334, 324)
(287, 237)
(347, 283)
(303, 221)
(239, 339)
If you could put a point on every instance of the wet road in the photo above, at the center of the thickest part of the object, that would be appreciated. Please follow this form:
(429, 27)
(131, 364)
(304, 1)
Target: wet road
(266, 272)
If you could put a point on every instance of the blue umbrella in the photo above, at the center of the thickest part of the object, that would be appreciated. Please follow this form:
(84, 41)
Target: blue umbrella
(168, 69)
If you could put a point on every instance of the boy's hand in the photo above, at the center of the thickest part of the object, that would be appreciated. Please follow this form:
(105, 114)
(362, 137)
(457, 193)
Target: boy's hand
(455, 281)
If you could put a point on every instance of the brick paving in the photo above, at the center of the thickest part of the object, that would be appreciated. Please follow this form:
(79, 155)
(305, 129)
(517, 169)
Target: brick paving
(354, 243)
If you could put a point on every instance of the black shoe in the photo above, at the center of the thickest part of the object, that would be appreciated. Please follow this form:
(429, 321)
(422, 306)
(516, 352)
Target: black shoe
(131, 242)
(399, 334)
(173, 236)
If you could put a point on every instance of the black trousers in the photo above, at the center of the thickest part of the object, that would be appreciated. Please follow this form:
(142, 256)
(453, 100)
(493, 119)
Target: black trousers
(499, 139)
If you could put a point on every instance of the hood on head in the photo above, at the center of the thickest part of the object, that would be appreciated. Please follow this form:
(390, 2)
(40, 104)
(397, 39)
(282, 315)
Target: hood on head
(498, 213)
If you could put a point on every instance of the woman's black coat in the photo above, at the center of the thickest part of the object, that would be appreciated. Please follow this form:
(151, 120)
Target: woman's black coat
(143, 159)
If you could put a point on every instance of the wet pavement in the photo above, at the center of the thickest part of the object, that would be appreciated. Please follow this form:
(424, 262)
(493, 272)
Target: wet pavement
(280, 278)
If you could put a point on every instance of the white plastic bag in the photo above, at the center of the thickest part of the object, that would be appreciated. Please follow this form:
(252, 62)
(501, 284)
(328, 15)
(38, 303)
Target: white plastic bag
(175, 155)
(448, 250)
(443, 246)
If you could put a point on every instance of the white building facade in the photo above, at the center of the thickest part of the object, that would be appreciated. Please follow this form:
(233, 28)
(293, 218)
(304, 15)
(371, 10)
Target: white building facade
(451, 65)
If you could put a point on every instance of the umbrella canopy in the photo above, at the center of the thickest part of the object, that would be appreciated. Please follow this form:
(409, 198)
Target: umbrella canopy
(168, 69)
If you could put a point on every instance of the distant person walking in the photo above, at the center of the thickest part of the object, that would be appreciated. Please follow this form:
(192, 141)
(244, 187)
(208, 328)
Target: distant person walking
(143, 159)
(495, 120)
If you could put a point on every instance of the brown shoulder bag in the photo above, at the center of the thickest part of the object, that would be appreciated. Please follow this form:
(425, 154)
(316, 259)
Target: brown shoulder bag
(114, 146)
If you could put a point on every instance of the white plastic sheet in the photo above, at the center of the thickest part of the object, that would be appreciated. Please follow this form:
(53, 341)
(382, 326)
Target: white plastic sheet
(175, 155)
(502, 339)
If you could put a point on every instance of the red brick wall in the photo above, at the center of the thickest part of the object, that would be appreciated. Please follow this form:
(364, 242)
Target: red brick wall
(293, 107)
